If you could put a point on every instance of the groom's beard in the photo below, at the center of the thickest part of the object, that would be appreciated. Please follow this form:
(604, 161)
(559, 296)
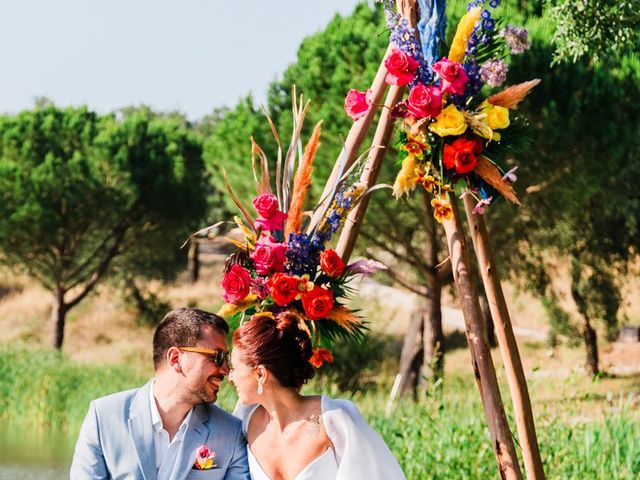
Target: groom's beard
(206, 392)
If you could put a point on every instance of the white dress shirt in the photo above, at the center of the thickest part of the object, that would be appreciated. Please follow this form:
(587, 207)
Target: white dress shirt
(166, 451)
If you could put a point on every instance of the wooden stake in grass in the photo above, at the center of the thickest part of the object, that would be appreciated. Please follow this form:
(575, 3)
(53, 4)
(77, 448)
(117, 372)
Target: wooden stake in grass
(507, 342)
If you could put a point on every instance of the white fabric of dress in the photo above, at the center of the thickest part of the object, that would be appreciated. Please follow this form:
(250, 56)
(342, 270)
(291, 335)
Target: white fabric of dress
(360, 452)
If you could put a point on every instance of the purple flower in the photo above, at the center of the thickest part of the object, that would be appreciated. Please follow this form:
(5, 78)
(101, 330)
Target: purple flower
(494, 3)
(486, 14)
(259, 287)
(517, 38)
(480, 206)
(494, 72)
(366, 267)
(489, 24)
(510, 176)
(303, 256)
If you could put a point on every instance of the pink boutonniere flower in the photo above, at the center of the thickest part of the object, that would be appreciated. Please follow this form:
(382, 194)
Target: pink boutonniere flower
(204, 459)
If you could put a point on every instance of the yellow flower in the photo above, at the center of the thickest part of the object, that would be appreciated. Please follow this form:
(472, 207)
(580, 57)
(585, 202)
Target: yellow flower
(463, 32)
(441, 208)
(407, 177)
(491, 118)
(497, 117)
(229, 309)
(428, 182)
(450, 122)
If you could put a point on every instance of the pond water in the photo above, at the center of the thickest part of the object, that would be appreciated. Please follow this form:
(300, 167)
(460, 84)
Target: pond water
(27, 453)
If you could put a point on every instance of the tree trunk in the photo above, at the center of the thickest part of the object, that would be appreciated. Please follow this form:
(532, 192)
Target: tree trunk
(412, 356)
(194, 260)
(58, 313)
(591, 344)
(433, 336)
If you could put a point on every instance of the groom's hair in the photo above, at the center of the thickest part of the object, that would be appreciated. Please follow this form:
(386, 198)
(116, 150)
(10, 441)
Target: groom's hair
(182, 327)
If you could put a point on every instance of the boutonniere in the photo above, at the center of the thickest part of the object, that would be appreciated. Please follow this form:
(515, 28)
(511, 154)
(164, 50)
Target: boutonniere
(204, 459)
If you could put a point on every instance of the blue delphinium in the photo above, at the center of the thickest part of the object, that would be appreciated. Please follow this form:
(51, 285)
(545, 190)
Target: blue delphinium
(303, 255)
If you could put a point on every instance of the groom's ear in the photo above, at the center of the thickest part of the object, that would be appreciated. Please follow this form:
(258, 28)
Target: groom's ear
(173, 359)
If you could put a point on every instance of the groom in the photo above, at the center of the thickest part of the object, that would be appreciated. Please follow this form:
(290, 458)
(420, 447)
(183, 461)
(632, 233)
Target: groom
(168, 429)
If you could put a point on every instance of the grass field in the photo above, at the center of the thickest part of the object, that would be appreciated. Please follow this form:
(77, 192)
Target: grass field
(587, 429)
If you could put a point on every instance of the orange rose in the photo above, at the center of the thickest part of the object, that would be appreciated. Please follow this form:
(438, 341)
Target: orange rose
(331, 263)
(283, 288)
(317, 303)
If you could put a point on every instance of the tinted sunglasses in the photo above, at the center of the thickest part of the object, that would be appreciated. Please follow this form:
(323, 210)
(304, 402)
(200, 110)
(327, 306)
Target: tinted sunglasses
(218, 357)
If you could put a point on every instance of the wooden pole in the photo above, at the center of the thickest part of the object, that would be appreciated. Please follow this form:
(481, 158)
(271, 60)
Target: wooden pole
(483, 368)
(370, 172)
(355, 137)
(508, 345)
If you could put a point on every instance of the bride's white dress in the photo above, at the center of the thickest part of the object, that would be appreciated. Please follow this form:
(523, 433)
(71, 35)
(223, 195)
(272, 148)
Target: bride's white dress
(360, 453)
(325, 466)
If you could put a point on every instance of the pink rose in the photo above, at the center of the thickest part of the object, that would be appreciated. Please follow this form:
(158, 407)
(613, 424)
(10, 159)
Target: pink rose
(235, 284)
(268, 255)
(270, 218)
(401, 67)
(454, 78)
(266, 205)
(424, 101)
(357, 104)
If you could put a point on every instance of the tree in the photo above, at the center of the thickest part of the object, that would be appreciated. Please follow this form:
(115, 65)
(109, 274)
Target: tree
(84, 196)
(578, 200)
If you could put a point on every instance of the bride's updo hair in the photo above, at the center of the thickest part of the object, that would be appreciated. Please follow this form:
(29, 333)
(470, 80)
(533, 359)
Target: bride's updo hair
(280, 345)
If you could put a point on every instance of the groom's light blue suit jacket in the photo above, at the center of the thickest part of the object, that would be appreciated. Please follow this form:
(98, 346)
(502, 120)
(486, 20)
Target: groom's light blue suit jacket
(116, 441)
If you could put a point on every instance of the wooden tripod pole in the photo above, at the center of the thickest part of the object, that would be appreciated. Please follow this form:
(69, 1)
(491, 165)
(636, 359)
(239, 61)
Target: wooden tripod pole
(483, 368)
(507, 342)
(369, 175)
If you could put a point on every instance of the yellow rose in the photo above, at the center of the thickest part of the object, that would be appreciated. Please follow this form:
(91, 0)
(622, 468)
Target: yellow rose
(497, 117)
(450, 122)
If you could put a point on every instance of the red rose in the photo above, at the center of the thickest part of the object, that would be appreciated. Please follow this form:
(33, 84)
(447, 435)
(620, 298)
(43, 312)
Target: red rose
(424, 101)
(452, 75)
(357, 104)
(401, 67)
(284, 288)
(266, 205)
(317, 303)
(268, 255)
(331, 263)
(236, 284)
(461, 154)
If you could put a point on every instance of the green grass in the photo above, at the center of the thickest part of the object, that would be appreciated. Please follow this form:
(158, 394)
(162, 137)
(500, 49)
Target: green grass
(443, 436)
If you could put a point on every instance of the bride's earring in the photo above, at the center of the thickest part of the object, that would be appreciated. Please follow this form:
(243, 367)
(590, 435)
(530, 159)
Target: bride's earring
(260, 390)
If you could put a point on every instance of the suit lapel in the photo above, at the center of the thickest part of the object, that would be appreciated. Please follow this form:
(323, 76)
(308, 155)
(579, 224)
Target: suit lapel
(141, 430)
(196, 436)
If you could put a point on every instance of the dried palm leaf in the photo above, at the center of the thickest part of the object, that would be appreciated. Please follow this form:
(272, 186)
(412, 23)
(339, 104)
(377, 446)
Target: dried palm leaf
(299, 113)
(241, 207)
(511, 96)
(230, 309)
(262, 186)
(492, 175)
(301, 183)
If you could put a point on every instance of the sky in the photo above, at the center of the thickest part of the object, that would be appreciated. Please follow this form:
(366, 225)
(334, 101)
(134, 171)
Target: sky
(186, 55)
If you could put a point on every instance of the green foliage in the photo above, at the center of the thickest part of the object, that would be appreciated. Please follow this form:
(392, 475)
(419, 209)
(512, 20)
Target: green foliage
(85, 195)
(595, 29)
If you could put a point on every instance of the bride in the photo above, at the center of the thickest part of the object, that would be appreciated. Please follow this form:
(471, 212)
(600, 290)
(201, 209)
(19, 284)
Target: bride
(292, 436)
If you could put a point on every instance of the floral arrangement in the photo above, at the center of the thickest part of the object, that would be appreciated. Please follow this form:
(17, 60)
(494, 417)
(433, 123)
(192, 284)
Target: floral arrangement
(205, 459)
(450, 133)
(284, 264)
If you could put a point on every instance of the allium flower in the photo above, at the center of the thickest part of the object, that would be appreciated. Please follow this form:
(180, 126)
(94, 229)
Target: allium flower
(494, 72)
(517, 38)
